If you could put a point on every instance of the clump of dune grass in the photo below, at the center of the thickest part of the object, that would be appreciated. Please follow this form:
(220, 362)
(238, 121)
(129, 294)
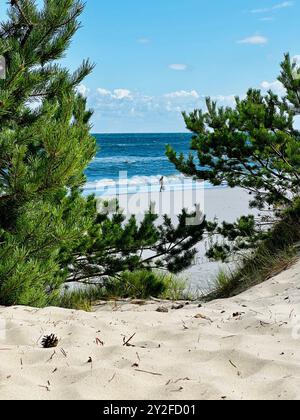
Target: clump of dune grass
(272, 256)
(145, 284)
(138, 285)
(251, 272)
(81, 298)
(176, 288)
(141, 284)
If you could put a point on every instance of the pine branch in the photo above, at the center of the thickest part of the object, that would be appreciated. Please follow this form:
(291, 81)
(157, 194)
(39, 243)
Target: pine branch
(55, 28)
(15, 3)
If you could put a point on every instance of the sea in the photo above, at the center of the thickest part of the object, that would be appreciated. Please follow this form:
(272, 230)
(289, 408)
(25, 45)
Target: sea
(133, 163)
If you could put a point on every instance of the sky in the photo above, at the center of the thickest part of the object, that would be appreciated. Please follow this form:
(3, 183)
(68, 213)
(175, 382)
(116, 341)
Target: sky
(157, 58)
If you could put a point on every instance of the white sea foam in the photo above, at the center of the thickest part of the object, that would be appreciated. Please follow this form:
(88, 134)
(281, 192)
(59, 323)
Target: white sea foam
(129, 159)
(135, 144)
(137, 184)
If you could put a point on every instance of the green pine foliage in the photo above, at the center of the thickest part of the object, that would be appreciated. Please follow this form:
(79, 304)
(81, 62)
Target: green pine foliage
(113, 245)
(45, 146)
(49, 233)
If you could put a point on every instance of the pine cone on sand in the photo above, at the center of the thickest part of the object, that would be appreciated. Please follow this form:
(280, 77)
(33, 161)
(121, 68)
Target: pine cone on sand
(49, 341)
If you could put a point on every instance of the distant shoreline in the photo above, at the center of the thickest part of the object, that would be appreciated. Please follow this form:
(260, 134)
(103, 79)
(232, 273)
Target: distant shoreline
(142, 133)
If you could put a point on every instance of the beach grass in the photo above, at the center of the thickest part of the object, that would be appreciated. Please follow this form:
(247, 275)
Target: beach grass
(272, 256)
(251, 272)
(137, 285)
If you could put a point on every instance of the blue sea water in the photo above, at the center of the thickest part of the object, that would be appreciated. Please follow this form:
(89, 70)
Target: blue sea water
(133, 162)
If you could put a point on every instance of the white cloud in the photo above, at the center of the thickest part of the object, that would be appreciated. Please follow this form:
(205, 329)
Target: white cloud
(267, 19)
(296, 59)
(178, 67)
(182, 94)
(104, 92)
(278, 6)
(297, 122)
(83, 90)
(276, 87)
(122, 103)
(115, 94)
(225, 100)
(265, 10)
(143, 41)
(254, 40)
(296, 70)
(283, 5)
(119, 108)
(122, 94)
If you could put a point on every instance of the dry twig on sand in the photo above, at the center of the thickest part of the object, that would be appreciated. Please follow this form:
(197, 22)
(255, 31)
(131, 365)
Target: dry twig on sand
(127, 342)
(150, 373)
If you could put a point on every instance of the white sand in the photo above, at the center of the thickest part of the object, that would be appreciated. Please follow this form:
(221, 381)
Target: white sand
(251, 356)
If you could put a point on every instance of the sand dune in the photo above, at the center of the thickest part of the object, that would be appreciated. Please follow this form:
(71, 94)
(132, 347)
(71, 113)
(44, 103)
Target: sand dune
(246, 347)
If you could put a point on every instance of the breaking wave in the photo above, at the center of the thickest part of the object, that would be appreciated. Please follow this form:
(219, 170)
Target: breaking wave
(138, 184)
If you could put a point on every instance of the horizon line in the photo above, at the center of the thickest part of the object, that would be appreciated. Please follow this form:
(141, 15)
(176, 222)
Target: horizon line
(146, 132)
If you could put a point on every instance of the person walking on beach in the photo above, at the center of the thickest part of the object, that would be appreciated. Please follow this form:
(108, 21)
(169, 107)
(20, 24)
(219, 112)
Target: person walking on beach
(162, 185)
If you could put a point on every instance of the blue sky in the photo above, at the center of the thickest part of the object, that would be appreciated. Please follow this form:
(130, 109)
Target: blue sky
(155, 58)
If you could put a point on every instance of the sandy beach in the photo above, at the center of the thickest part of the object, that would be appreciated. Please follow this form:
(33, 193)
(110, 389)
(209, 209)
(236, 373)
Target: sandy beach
(246, 347)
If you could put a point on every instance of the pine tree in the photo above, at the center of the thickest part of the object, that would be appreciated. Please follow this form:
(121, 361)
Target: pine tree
(49, 233)
(45, 146)
(253, 145)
